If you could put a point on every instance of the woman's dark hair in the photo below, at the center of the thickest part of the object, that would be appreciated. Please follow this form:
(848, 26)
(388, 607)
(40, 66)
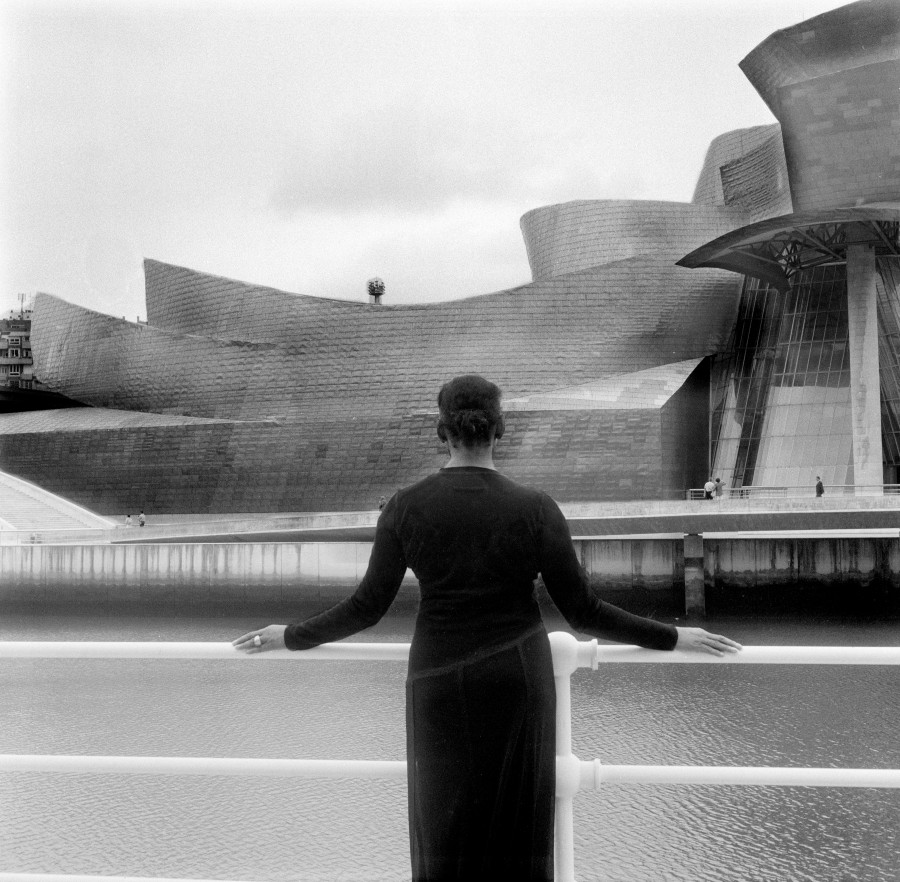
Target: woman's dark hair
(470, 410)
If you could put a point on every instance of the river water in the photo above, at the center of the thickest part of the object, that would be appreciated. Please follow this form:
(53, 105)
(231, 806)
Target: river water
(269, 829)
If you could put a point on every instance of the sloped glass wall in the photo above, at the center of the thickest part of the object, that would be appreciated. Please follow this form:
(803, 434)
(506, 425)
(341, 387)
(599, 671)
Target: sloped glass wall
(781, 393)
(888, 286)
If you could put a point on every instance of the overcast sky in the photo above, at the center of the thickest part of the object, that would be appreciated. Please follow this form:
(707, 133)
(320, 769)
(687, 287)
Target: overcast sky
(311, 146)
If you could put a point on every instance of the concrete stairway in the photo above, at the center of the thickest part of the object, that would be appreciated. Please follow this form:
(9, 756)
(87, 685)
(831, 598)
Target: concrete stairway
(25, 506)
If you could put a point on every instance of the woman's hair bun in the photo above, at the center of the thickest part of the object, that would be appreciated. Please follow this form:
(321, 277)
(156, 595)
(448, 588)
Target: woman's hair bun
(470, 409)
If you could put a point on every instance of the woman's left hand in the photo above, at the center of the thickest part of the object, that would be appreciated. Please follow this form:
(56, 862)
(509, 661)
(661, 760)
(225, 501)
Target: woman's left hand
(261, 640)
(698, 640)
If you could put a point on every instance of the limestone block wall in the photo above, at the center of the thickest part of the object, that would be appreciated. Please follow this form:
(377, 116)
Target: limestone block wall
(842, 137)
(346, 465)
(684, 420)
(832, 83)
(157, 468)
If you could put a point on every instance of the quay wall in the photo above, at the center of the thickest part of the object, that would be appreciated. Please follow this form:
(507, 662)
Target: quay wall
(857, 575)
(201, 578)
(760, 575)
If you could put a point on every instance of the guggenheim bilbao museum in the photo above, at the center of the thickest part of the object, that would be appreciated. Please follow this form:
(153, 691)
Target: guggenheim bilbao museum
(752, 333)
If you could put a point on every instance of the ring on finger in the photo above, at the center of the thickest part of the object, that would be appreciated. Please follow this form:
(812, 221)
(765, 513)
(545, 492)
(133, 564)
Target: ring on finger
(257, 640)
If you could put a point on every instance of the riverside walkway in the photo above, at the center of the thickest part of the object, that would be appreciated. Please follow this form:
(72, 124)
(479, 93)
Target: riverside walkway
(30, 514)
(686, 553)
(586, 520)
(595, 519)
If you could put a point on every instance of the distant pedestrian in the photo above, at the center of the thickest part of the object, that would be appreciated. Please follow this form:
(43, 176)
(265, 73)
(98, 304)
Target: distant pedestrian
(128, 521)
(820, 488)
(141, 519)
(719, 486)
(382, 503)
(708, 489)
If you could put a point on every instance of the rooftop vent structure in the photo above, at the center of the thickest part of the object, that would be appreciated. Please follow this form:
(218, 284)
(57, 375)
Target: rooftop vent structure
(376, 290)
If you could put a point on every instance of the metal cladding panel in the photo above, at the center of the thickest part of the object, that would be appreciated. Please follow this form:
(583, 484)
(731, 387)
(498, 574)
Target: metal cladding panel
(575, 236)
(629, 316)
(757, 182)
(190, 302)
(731, 149)
(337, 406)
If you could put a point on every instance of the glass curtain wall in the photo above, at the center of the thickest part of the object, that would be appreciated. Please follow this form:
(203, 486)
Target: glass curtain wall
(888, 286)
(780, 408)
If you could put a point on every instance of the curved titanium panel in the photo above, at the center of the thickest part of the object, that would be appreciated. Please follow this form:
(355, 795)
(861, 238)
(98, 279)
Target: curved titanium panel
(575, 236)
(191, 302)
(337, 407)
(351, 357)
(730, 149)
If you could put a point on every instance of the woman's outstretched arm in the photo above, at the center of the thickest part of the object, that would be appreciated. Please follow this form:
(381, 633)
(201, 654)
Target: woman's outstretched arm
(569, 588)
(370, 601)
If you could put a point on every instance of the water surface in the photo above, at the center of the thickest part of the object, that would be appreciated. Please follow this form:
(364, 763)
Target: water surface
(269, 829)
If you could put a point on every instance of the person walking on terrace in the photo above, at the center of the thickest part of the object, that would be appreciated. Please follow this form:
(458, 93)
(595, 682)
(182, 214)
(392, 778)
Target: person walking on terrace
(708, 489)
(820, 487)
(480, 697)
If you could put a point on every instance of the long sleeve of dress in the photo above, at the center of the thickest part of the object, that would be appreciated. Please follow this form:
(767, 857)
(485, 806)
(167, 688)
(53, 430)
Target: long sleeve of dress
(370, 601)
(569, 588)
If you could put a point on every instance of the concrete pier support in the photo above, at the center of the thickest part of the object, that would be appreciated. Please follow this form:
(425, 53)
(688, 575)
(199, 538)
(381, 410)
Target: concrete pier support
(865, 398)
(694, 585)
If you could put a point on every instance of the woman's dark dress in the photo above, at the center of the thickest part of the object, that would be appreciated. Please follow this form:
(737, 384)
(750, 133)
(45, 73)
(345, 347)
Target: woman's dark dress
(480, 699)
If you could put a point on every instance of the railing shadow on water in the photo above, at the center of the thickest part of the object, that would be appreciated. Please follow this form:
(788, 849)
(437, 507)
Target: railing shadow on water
(572, 774)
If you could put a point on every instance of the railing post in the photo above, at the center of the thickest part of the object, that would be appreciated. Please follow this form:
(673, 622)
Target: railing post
(568, 655)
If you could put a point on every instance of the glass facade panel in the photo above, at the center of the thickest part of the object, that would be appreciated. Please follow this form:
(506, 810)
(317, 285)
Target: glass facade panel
(776, 420)
(888, 290)
(780, 394)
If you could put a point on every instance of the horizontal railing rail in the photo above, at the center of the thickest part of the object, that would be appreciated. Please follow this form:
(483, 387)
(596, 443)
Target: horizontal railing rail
(10, 535)
(590, 653)
(796, 491)
(572, 774)
(80, 877)
(591, 774)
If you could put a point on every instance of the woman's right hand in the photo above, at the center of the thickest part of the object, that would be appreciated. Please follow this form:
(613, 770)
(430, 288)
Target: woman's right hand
(698, 640)
(261, 640)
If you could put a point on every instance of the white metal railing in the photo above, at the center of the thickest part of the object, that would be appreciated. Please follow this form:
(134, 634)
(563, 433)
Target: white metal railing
(572, 774)
(796, 491)
(54, 536)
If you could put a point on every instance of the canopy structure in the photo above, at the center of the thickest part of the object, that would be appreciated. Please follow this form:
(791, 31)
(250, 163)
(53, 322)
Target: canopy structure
(778, 248)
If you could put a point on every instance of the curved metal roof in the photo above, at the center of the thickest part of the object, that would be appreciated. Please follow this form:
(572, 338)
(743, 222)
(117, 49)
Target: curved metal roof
(776, 248)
